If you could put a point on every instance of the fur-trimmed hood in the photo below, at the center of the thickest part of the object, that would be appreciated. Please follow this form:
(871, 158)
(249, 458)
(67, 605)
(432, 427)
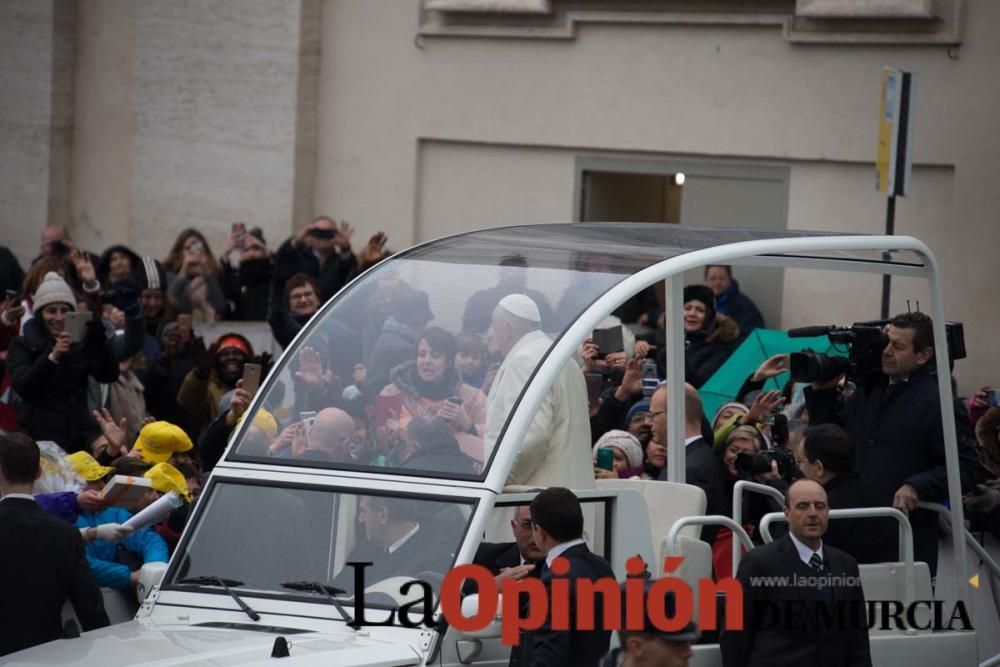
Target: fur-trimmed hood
(724, 330)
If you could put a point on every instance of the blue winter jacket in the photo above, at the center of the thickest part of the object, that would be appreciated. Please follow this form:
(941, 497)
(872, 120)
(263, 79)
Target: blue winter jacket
(102, 555)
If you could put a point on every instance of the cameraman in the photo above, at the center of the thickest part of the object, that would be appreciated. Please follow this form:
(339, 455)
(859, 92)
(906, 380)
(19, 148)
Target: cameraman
(895, 423)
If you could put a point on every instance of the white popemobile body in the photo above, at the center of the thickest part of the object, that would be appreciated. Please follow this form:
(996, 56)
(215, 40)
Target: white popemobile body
(275, 528)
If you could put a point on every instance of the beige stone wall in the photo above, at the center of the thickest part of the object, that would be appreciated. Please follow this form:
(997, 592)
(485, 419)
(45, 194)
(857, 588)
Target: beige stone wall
(36, 76)
(184, 114)
(214, 108)
(430, 135)
(129, 121)
(103, 140)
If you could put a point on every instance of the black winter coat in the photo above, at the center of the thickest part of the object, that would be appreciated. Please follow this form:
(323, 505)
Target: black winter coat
(738, 306)
(11, 274)
(898, 439)
(705, 351)
(704, 470)
(54, 395)
(867, 540)
(330, 277)
(162, 380)
(441, 457)
(246, 298)
(395, 345)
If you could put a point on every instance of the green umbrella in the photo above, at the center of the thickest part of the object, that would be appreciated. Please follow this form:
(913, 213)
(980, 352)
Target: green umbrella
(759, 346)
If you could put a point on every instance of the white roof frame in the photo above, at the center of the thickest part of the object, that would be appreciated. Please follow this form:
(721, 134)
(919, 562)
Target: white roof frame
(782, 253)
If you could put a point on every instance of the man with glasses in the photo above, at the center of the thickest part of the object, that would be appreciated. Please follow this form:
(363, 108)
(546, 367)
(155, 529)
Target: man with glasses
(512, 560)
(302, 296)
(703, 468)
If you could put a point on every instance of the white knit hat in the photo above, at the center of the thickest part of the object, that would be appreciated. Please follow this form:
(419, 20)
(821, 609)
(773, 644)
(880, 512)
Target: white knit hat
(626, 442)
(52, 290)
(521, 305)
(742, 407)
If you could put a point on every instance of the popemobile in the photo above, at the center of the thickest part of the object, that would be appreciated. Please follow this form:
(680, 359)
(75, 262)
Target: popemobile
(262, 572)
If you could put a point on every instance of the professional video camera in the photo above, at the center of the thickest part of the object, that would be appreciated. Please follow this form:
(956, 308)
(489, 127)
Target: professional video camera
(865, 342)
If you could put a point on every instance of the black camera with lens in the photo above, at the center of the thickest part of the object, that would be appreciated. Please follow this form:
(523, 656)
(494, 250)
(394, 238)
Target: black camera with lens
(865, 342)
(751, 465)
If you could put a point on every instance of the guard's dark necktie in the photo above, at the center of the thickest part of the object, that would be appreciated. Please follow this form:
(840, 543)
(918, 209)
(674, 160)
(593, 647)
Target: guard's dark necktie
(816, 562)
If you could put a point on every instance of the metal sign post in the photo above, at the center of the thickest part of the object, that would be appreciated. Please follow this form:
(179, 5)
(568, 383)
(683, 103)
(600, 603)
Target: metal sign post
(893, 163)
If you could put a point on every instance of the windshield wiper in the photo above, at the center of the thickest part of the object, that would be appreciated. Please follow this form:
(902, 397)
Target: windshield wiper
(225, 584)
(328, 591)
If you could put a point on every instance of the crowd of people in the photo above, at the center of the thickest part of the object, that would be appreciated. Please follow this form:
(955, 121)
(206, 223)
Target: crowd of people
(877, 442)
(98, 355)
(104, 379)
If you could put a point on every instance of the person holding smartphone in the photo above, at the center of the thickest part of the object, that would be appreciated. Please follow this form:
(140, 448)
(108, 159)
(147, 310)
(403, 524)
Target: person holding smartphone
(246, 284)
(49, 368)
(194, 285)
(431, 385)
(322, 250)
(618, 455)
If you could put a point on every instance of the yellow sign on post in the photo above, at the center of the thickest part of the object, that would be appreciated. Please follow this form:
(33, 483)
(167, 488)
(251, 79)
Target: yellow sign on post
(892, 162)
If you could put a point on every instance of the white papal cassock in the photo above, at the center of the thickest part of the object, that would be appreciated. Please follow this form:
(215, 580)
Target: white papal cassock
(556, 451)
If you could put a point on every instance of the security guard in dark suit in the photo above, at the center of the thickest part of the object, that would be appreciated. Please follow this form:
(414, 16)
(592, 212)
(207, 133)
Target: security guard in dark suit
(42, 562)
(558, 531)
(788, 623)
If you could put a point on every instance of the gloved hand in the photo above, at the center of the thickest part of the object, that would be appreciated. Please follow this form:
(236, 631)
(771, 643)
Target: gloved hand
(113, 532)
(985, 498)
(150, 575)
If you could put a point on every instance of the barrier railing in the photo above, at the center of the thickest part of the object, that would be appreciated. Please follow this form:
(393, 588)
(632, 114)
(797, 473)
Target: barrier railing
(970, 539)
(739, 535)
(738, 489)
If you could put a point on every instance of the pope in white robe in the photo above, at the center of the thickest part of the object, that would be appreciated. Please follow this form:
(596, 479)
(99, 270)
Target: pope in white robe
(556, 450)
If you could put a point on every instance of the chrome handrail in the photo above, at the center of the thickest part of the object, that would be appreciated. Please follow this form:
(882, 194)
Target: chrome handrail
(969, 537)
(710, 520)
(738, 507)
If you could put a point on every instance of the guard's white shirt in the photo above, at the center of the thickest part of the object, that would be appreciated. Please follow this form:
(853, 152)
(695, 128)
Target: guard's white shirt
(22, 496)
(401, 541)
(558, 550)
(805, 553)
